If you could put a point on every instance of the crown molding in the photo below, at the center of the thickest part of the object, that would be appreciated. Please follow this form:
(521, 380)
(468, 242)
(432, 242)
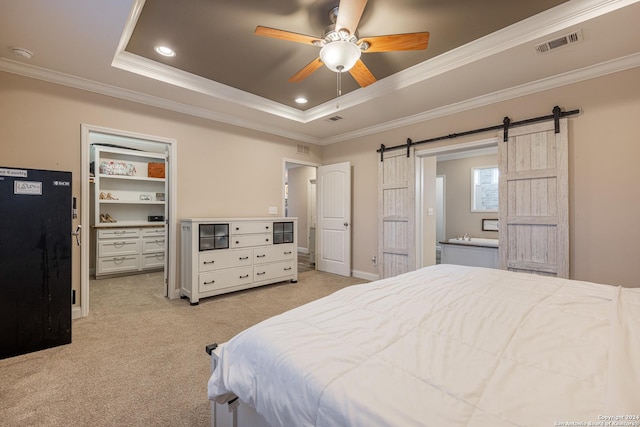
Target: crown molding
(594, 71)
(540, 25)
(38, 73)
(586, 73)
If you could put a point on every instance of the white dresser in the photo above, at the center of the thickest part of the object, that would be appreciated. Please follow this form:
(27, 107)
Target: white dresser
(220, 255)
(122, 250)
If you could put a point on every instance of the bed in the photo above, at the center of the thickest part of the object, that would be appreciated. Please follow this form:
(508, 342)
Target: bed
(441, 346)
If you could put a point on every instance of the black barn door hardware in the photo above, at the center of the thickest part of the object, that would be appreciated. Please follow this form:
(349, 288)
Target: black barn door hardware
(556, 115)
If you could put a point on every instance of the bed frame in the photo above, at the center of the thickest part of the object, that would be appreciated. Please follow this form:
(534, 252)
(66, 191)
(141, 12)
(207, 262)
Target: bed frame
(235, 413)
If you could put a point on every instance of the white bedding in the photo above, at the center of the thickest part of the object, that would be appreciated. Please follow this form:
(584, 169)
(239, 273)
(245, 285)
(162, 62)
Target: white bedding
(443, 346)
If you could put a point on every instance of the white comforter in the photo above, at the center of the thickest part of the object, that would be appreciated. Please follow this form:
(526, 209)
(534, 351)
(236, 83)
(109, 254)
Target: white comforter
(443, 346)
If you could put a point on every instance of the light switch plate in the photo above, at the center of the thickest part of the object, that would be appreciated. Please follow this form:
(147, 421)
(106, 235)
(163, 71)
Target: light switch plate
(273, 210)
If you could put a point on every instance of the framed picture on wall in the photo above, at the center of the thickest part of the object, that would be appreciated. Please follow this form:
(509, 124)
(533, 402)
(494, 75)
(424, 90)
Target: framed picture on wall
(490, 224)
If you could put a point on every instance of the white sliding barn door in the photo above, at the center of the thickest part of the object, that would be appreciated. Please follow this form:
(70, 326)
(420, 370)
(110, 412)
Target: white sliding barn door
(534, 200)
(333, 187)
(396, 213)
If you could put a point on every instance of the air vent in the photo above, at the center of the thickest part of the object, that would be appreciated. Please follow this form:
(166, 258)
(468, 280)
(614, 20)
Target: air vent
(565, 40)
(303, 149)
(334, 119)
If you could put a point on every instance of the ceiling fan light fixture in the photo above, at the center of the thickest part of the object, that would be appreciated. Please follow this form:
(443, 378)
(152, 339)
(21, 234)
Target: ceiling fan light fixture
(340, 56)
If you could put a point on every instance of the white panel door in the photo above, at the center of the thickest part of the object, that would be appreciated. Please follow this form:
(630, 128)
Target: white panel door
(334, 219)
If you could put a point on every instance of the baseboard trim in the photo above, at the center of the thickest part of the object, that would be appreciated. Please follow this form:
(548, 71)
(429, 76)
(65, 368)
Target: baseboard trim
(303, 250)
(364, 275)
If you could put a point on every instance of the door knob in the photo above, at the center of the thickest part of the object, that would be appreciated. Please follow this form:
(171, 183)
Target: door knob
(346, 224)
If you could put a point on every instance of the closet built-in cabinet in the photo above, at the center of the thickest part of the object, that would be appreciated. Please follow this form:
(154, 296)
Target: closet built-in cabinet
(128, 210)
(221, 255)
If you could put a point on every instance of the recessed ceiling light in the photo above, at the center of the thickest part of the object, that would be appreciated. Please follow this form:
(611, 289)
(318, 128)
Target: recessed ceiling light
(164, 51)
(301, 100)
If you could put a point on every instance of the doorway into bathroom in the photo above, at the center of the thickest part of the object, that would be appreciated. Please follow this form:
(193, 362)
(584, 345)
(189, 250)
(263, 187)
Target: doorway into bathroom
(444, 209)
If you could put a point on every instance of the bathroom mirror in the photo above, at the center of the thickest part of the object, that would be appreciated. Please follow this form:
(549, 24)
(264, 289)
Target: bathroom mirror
(484, 189)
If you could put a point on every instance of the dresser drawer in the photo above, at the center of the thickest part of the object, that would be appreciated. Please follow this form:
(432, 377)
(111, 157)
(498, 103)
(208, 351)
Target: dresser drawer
(118, 264)
(118, 233)
(272, 253)
(222, 279)
(251, 227)
(154, 260)
(118, 247)
(155, 232)
(248, 240)
(152, 244)
(216, 260)
(276, 270)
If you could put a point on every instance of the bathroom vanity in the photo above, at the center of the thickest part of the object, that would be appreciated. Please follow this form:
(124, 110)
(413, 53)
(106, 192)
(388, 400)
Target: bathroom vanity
(474, 251)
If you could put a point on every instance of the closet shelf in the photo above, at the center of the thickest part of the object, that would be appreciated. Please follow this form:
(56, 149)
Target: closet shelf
(132, 178)
(131, 202)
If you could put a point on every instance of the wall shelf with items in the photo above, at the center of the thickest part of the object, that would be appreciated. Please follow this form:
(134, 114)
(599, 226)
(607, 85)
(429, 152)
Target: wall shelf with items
(124, 192)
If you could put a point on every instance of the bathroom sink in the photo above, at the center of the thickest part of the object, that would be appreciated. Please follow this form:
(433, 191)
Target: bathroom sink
(475, 241)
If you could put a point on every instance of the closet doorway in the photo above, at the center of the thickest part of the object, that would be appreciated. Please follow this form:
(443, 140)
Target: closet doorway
(135, 199)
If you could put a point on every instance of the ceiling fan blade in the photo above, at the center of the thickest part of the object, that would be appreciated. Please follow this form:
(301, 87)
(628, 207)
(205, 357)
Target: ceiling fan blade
(393, 42)
(284, 35)
(349, 14)
(361, 74)
(306, 71)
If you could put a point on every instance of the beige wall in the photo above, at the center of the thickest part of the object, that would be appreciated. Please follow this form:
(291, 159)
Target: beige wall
(223, 171)
(604, 148)
(459, 218)
(228, 171)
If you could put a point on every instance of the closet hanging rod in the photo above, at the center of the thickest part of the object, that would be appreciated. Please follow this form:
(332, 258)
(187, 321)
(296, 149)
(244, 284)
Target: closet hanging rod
(556, 115)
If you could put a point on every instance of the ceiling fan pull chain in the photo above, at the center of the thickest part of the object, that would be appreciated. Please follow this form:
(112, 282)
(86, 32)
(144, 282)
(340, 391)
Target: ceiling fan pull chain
(339, 85)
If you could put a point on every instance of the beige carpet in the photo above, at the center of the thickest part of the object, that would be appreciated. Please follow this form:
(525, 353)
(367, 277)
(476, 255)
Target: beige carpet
(138, 359)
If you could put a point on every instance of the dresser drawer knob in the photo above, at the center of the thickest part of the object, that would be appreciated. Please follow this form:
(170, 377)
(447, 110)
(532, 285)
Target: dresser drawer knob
(260, 274)
(244, 277)
(208, 283)
(208, 262)
(287, 253)
(287, 269)
(242, 258)
(261, 256)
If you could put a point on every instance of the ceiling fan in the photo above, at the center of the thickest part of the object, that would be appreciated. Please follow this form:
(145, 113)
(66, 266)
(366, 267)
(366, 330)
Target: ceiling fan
(340, 46)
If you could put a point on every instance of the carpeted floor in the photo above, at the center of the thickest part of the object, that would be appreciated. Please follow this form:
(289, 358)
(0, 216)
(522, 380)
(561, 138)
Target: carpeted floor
(138, 359)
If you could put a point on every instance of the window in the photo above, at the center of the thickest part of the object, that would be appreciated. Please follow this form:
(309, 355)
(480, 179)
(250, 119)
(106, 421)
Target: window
(484, 189)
